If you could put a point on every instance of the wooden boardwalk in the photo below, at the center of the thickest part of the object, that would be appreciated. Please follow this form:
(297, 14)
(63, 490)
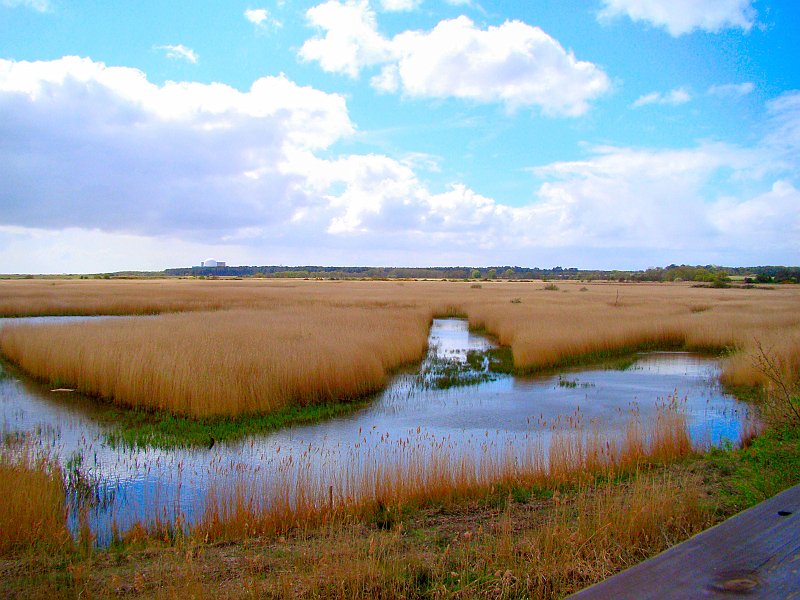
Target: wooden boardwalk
(755, 554)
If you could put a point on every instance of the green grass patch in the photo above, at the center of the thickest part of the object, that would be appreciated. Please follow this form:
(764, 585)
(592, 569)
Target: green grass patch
(770, 464)
(140, 428)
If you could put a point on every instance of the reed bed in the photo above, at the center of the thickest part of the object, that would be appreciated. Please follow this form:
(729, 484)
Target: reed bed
(547, 330)
(385, 476)
(329, 340)
(225, 363)
(33, 513)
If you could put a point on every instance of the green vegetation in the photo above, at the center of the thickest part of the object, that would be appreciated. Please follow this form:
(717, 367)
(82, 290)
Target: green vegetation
(567, 383)
(142, 428)
(445, 373)
(747, 476)
(494, 360)
(698, 273)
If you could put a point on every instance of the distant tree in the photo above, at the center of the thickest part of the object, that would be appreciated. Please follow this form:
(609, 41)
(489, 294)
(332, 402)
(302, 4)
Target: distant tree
(721, 280)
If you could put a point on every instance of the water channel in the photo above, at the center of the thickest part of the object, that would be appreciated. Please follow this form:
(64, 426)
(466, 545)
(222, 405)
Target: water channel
(500, 412)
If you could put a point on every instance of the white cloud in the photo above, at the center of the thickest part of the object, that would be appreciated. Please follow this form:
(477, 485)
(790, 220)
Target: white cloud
(351, 39)
(400, 5)
(257, 16)
(122, 154)
(80, 250)
(679, 17)
(98, 160)
(37, 5)
(674, 97)
(732, 90)
(627, 197)
(514, 63)
(783, 136)
(261, 18)
(179, 52)
(754, 220)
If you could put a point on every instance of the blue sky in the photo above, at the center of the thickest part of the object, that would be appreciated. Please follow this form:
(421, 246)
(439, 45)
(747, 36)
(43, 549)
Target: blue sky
(587, 133)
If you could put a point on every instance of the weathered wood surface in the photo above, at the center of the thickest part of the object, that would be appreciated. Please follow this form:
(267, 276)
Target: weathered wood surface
(755, 554)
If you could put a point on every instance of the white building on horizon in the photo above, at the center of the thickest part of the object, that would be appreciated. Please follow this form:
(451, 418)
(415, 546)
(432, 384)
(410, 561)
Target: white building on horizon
(212, 263)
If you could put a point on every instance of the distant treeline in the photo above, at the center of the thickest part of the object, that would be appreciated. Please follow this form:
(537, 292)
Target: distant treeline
(711, 273)
(706, 273)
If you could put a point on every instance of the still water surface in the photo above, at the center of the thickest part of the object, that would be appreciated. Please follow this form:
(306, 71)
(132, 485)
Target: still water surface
(144, 483)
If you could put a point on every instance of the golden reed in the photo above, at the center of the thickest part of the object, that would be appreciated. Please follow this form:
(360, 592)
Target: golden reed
(34, 512)
(395, 472)
(269, 344)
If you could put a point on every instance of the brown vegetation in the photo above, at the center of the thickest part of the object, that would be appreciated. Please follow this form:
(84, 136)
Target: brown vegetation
(532, 536)
(268, 344)
(226, 363)
(33, 501)
(411, 471)
(408, 519)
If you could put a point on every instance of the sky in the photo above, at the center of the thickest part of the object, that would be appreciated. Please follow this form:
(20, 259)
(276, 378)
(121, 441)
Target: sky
(595, 134)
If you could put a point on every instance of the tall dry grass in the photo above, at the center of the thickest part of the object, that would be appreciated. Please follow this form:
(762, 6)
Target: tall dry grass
(570, 542)
(543, 548)
(415, 470)
(33, 510)
(549, 329)
(225, 363)
(303, 341)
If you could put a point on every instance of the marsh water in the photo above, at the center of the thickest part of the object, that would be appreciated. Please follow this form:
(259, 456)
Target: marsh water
(499, 411)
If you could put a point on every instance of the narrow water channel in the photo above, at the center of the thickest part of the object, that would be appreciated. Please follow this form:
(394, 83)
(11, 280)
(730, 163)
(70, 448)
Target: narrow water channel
(499, 411)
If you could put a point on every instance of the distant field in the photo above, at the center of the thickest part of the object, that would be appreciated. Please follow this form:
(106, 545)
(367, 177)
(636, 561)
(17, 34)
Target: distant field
(253, 346)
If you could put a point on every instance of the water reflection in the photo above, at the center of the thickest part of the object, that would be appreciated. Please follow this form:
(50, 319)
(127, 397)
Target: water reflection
(495, 416)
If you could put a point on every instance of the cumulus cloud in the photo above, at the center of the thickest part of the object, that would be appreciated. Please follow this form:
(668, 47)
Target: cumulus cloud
(179, 52)
(123, 154)
(514, 63)
(627, 197)
(37, 5)
(351, 39)
(94, 156)
(680, 17)
(674, 97)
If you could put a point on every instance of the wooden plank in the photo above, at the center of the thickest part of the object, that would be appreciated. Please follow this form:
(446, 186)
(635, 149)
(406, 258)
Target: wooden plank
(755, 554)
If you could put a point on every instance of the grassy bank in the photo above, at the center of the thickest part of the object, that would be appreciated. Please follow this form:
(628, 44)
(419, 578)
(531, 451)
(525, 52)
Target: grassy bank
(162, 429)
